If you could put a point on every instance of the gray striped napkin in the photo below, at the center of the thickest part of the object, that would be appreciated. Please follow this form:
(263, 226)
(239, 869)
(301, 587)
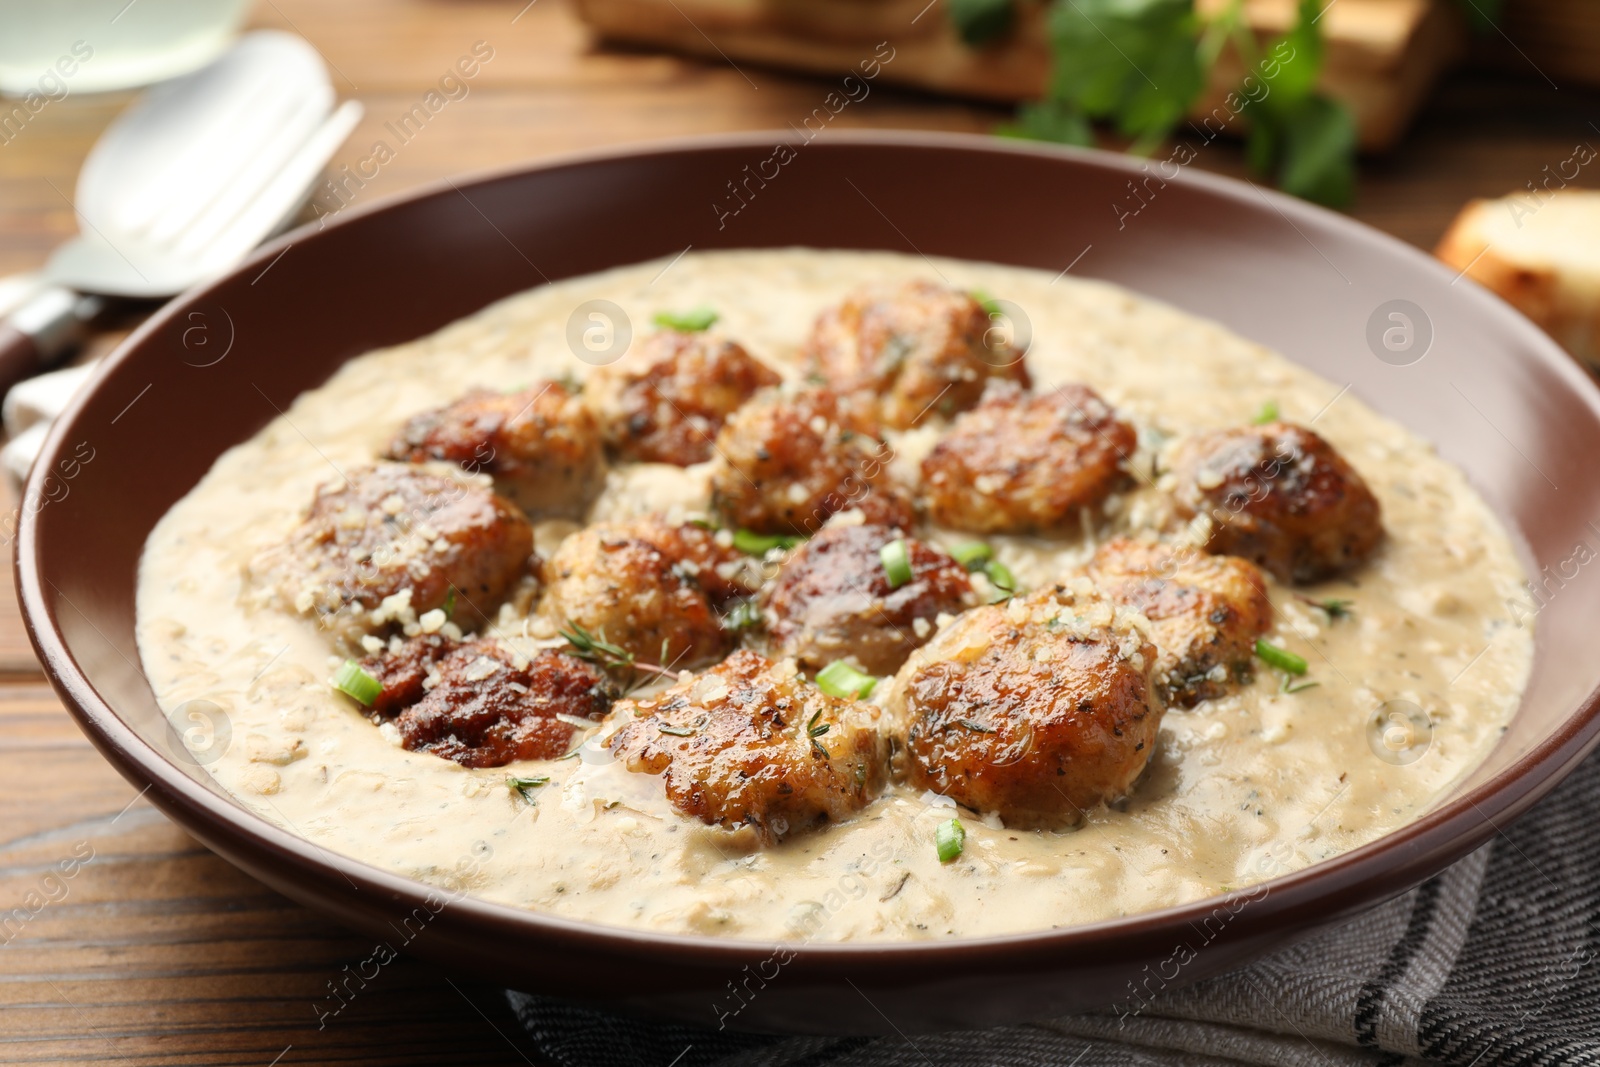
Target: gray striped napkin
(1494, 961)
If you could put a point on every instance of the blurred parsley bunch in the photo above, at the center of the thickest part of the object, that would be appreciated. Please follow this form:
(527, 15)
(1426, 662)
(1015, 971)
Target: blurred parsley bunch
(1141, 64)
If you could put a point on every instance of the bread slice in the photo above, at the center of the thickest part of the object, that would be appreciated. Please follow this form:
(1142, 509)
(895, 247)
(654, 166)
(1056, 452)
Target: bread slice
(1540, 250)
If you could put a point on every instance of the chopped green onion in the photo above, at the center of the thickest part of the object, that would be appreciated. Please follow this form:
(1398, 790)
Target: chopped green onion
(950, 838)
(896, 562)
(756, 544)
(522, 785)
(1000, 576)
(356, 683)
(973, 555)
(839, 679)
(1280, 658)
(693, 321)
(450, 603)
(1268, 413)
(977, 556)
(742, 616)
(677, 731)
(990, 306)
(1296, 687)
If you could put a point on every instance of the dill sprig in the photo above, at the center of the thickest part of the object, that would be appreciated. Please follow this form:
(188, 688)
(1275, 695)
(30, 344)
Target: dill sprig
(615, 660)
(815, 730)
(1332, 607)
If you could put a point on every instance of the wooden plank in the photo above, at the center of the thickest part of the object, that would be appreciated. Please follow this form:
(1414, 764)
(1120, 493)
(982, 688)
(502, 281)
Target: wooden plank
(1380, 55)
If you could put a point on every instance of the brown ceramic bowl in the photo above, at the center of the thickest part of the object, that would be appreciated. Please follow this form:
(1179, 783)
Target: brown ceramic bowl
(1495, 395)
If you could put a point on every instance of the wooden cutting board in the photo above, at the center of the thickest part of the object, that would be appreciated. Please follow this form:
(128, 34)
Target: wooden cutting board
(1382, 55)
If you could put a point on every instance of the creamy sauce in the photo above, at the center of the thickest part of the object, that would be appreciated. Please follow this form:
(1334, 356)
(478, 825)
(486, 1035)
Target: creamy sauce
(1240, 789)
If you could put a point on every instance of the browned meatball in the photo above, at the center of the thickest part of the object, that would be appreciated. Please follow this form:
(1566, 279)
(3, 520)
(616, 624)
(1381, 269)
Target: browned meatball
(481, 703)
(666, 404)
(443, 536)
(1037, 709)
(1279, 495)
(1022, 462)
(542, 445)
(788, 462)
(651, 587)
(1205, 612)
(832, 599)
(750, 743)
(922, 349)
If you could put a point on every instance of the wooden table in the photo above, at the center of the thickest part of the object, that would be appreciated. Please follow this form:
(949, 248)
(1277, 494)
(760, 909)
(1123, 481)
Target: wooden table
(157, 952)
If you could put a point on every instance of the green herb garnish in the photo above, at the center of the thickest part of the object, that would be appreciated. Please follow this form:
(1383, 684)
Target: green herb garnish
(896, 562)
(1280, 658)
(1004, 582)
(1296, 687)
(839, 679)
(972, 555)
(450, 603)
(677, 731)
(613, 659)
(950, 838)
(756, 544)
(1268, 413)
(990, 305)
(978, 22)
(356, 683)
(1141, 65)
(693, 321)
(744, 615)
(977, 556)
(815, 730)
(522, 785)
(1333, 607)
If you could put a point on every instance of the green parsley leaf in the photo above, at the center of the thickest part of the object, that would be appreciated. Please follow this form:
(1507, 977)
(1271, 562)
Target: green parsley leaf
(978, 22)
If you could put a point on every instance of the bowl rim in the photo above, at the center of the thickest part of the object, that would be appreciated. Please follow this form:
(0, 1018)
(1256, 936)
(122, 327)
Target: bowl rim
(1360, 877)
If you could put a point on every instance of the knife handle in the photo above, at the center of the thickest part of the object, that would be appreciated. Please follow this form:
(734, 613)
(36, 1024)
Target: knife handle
(41, 331)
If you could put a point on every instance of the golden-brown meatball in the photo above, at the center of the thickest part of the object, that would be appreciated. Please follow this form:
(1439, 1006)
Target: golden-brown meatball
(750, 743)
(648, 586)
(832, 600)
(441, 536)
(1023, 463)
(542, 445)
(1038, 709)
(786, 463)
(482, 703)
(1278, 495)
(922, 349)
(667, 404)
(1205, 612)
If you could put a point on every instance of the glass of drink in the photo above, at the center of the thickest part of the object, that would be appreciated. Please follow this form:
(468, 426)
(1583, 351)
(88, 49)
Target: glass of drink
(50, 48)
